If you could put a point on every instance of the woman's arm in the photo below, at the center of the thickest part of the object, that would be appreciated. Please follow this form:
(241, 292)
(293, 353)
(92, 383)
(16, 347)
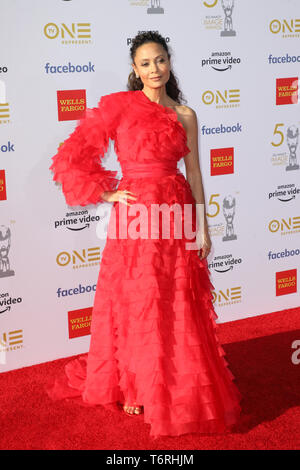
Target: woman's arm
(193, 173)
(78, 165)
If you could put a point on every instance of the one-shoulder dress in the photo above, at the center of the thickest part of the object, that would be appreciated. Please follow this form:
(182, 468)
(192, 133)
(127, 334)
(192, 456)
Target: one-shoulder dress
(153, 329)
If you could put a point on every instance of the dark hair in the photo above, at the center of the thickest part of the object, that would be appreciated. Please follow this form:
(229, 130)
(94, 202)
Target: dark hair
(134, 83)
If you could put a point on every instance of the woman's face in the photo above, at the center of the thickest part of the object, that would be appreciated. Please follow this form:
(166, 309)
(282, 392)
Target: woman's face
(152, 65)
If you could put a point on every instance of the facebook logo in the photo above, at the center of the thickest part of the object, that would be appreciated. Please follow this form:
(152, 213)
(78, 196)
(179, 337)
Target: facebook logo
(221, 129)
(70, 68)
(9, 147)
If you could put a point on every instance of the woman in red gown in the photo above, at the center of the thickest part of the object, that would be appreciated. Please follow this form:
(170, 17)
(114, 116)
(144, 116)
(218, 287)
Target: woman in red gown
(154, 347)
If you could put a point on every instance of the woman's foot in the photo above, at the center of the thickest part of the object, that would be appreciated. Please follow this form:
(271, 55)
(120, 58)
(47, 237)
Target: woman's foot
(133, 409)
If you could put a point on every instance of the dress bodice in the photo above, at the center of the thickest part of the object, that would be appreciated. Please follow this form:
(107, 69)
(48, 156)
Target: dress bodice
(148, 131)
(147, 136)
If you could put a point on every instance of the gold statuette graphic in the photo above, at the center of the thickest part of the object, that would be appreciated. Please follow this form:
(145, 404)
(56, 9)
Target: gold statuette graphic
(229, 211)
(5, 242)
(228, 26)
(155, 7)
(292, 136)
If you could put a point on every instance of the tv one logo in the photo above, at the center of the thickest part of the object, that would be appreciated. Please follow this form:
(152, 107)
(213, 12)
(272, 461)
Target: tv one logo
(74, 31)
(292, 225)
(225, 98)
(11, 340)
(230, 296)
(285, 26)
(4, 111)
(87, 257)
(210, 4)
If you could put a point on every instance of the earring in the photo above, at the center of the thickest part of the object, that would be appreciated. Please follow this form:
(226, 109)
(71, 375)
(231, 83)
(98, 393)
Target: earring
(137, 76)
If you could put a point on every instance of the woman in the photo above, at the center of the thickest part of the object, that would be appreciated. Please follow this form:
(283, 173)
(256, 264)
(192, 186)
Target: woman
(153, 343)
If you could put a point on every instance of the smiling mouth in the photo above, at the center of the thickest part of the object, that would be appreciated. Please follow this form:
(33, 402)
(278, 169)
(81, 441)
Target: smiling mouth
(155, 78)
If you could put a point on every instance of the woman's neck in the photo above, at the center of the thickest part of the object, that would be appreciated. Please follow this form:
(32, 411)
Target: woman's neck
(158, 95)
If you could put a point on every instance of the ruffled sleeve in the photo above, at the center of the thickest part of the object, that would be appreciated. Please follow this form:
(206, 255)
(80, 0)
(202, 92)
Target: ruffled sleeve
(77, 163)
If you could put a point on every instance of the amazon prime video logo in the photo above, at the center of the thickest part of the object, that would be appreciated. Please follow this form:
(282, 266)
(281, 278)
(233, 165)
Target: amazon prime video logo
(221, 61)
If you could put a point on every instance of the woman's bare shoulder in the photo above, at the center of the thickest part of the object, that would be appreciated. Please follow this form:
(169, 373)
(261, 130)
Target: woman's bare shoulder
(186, 110)
(187, 116)
(182, 109)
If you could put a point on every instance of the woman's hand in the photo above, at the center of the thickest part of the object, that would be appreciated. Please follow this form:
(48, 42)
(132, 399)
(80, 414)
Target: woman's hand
(204, 243)
(120, 195)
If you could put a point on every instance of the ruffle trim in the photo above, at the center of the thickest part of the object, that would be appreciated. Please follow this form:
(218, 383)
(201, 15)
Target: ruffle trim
(169, 114)
(77, 164)
(184, 385)
(160, 133)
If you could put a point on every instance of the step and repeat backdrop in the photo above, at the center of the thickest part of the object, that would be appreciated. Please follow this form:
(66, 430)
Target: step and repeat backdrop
(237, 62)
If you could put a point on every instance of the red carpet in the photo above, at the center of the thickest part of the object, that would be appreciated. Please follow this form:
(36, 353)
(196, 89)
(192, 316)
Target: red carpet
(258, 350)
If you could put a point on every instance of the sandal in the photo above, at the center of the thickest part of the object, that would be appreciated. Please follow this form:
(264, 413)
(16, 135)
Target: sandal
(132, 409)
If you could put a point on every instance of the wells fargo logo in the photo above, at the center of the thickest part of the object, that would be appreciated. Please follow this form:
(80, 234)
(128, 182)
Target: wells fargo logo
(285, 226)
(71, 104)
(232, 295)
(74, 33)
(10, 341)
(79, 258)
(286, 282)
(222, 161)
(288, 28)
(222, 99)
(286, 91)
(2, 186)
(80, 322)
(4, 113)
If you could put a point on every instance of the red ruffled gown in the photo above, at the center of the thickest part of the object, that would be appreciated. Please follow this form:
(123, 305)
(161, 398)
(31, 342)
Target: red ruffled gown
(153, 330)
